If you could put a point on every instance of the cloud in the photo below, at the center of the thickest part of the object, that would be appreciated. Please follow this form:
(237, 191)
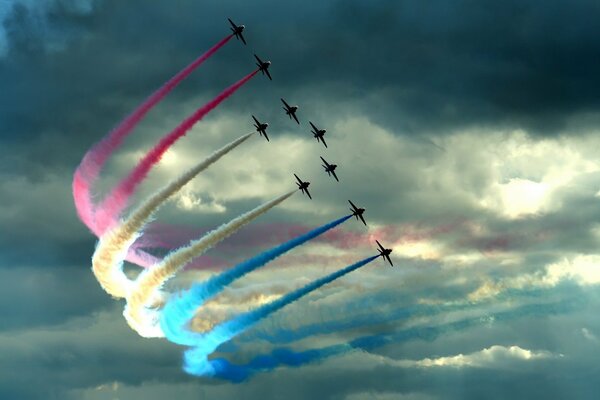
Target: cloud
(492, 357)
(469, 132)
(582, 269)
(47, 24)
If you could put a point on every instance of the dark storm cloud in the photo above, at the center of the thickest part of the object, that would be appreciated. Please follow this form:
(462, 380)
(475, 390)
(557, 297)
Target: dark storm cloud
(34, 297)
(415, 67)
(83, 352)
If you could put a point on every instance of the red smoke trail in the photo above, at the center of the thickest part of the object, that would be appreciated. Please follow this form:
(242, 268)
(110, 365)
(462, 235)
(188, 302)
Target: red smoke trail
(117, 199)
(93, 161)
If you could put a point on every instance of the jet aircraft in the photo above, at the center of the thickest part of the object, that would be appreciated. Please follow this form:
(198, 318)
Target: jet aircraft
(303, 186)
(385, 253)
(237, 30)
(261, 128)
(290, 111)
(330, 169)
(318, 133)
(263, 66)
(357, 212)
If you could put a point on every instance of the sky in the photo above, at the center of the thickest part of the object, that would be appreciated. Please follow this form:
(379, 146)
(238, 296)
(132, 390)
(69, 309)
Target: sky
(468, 130)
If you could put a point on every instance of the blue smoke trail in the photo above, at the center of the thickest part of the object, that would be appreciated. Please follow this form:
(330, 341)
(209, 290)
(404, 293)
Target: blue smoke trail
(289, 335)
(180, 309)
(222, 368)
(196, 359)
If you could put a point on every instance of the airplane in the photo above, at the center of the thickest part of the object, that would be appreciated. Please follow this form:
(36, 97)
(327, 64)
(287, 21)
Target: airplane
(303, 186)
(318, 133)
(290, 110)
(237, 30)
(357, 212)
(261, 128)
(263, 66)
(330, 169)
(385, 253)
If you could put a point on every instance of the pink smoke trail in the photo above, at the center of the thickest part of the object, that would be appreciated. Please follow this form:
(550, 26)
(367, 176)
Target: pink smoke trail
(117, 199)
(88, 170)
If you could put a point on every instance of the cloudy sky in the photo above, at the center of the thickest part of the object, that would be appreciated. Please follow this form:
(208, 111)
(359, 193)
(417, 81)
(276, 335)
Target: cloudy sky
(469, 131)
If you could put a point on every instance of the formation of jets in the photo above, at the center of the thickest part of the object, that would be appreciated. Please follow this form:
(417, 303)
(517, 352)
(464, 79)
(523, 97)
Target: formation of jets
(319, 134)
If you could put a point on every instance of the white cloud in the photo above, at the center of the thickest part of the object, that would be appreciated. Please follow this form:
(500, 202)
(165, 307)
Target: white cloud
(491, 357)
(582, 269)
(589, 335)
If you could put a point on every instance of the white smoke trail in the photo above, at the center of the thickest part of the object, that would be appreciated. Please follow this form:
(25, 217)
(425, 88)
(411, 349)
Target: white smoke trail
(149, 282)
(107, 261)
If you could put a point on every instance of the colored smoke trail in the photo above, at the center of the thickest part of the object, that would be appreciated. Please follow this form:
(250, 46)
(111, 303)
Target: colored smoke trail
(181, 307)
(222, 368)
(374, 317)
(196, 359)
(89, 169)
(114, 203)
(149, 282)
(107, 261)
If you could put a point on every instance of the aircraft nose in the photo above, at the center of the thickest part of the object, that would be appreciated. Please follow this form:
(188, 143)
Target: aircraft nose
(266, 124)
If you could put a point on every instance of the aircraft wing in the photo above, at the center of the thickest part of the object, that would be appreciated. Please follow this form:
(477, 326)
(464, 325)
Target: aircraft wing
(296, 118)
(326, 163)
(255, 120)
(298, 179)
(265, 133)
(352, 204)
(313, 126)
(387, 257)
(232, 24)
(335, 176)
(308, 194)
(362, 219)
(323, 140)
(268, 74)
(242, 38)
(258, 59)
(380, 246)
(286, 104)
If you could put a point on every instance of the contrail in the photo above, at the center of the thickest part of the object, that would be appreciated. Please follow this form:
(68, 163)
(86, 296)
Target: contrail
(197, 365)
(149, 282)
(89, 169)
(196, 359)
(113, 246)
(181, 307)
(117, 199)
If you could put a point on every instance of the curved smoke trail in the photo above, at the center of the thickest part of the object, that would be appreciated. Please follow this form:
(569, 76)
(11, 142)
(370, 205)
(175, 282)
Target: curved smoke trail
(181, 307)
(150, 280)
(222, 368)
(114, 203)
(89, 169)
(196, 359)
(113, 246)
